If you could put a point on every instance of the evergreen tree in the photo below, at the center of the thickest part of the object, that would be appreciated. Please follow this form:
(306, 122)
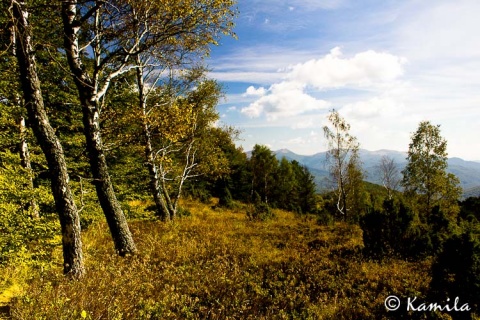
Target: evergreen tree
(306, 188)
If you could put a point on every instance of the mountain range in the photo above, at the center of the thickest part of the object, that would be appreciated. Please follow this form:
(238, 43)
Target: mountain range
(468, 172)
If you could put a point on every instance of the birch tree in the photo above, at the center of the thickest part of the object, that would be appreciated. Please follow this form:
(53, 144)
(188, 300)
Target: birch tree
(114, 33)
(343, 164)
(48, 141)
(183, 143)
(425, 179)
(390, 175)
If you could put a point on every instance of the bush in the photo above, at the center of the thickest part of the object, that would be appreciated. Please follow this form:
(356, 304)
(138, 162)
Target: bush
(226, 200)
(260, 211)
(325, 219)
(386, 230)
(456, 270)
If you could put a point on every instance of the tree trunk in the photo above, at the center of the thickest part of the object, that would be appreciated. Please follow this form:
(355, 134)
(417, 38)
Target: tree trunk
(115, 217)
(25, 162)
(161, 208)
(51, 147)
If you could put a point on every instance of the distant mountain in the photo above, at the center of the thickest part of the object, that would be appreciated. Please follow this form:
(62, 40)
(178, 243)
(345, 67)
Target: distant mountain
(468, 172)
(472, 192)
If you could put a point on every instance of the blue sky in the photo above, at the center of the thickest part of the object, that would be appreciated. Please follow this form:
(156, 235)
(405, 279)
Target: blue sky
(385, 65)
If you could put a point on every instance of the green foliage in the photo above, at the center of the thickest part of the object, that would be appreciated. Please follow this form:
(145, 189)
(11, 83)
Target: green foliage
(470, 210)
(456, 270)
(285, 185)
(259, 210)
(294, 188)
(386, 230)
(396, 230)
(263, 165)
(226, 199)
(20, 234)
(426, 182)
(344, 166)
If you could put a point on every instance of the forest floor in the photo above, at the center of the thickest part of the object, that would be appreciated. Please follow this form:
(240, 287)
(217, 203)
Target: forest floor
(218, 264)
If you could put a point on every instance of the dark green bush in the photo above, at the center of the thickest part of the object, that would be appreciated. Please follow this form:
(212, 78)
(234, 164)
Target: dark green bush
(386, 230)
(225, 199)
(260, 211)
(456, 270)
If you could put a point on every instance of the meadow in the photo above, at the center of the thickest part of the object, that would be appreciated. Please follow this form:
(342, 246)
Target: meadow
(215, 263)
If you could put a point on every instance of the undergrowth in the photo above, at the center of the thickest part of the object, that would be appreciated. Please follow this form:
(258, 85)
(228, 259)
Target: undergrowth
(218, 264)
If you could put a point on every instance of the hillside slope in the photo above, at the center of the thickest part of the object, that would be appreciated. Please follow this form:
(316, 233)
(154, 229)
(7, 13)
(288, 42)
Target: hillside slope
(220, 265)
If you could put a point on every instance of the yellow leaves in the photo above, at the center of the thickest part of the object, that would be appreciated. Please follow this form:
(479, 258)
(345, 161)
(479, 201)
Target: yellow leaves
(174, 122)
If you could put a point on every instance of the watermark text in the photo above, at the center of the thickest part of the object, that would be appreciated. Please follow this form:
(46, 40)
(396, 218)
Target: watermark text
(393, 303)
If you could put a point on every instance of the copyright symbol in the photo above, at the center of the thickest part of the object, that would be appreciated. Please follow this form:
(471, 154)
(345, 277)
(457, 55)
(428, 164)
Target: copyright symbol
(392, 303)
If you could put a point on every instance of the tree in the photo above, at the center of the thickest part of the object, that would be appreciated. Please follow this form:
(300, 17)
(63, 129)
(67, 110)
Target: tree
(389, 174)
(456, 270)
(306, 188)
(184, 142)
(344, 164)
(286, 189)
(51, 147)
(114, 34)
(263, 165)
(425, 179)
(91, 91)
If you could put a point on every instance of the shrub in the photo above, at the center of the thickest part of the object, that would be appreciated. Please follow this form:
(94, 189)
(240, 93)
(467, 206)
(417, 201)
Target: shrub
(325, 219)
(385, 229)
(456, 270)
(226, 200)
(260, 211)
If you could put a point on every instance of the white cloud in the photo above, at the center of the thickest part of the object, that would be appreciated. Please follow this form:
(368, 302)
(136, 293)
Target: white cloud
(290, 98)
(372, 108)
(284, 99)
(252, 91)
(333, 71)
(232, 109)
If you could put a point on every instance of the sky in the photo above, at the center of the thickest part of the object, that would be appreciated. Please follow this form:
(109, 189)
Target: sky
(384, 65)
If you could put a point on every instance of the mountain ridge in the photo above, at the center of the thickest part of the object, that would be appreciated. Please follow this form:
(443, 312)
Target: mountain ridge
(468, 172)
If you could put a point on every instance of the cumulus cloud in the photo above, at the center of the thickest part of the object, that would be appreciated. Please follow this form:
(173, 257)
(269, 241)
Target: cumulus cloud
(287, 98)
(290, 96)
(252, 91)
(334, 71)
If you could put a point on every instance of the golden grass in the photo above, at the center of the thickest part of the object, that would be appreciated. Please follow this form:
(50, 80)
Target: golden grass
(216, 264)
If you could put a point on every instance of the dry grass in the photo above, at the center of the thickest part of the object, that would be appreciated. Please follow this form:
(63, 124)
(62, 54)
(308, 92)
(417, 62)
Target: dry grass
(216, 264)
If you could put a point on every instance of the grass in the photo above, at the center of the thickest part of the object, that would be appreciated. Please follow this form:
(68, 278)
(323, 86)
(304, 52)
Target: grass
(217, 264)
